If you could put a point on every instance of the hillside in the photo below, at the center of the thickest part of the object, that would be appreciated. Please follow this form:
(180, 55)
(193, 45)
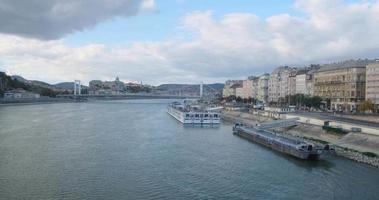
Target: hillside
(18, 82)
(65, 85)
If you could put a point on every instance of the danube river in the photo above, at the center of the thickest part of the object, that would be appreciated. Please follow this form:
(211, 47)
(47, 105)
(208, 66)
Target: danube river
(135, 150)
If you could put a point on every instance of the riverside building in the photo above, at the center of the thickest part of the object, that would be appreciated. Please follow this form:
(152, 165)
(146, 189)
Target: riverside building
(282, 82)
(372, 84)
(262, 94)
(230, 88)
(342, 84)
(250, 87)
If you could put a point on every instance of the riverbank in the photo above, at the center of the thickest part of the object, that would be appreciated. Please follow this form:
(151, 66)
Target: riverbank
(358, 147)
(34, 102)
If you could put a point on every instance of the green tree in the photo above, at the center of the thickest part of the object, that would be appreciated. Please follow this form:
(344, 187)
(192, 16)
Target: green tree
(239, 99)
(367, 105)
(230, 98)
(316, 101)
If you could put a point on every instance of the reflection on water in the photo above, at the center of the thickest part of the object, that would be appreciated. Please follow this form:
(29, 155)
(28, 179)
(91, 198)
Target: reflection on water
(134, 150)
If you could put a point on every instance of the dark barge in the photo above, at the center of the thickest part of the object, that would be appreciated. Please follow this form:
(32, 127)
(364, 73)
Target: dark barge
(291, 146)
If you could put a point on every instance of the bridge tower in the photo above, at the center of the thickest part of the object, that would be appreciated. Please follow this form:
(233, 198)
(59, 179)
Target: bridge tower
(201, 89)
(77, 88)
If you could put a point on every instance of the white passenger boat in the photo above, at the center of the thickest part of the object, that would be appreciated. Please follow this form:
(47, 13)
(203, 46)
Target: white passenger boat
(192, 114)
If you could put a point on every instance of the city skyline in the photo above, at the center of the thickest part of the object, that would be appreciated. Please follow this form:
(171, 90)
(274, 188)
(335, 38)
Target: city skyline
(180, 41)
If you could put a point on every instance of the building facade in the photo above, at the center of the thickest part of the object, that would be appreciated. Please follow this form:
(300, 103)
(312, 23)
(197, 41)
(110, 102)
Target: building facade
(230, 87)
(301, 83)
(262, 94)
(372, 84)
(20, 94)
(342, 84)
(239, 92)
(282, 82)
(250, 87)
(247, 86)
(97, 87)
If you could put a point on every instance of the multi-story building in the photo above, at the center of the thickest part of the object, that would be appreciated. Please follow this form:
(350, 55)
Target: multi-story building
(342, 84)
(309, 82)
(230, 87)
(301, 82)
(247, 87)
(282, 82)
(291, 87)
(238, 89)
(115, 87)
(372, 84)
(274, 85)
(262, 94)
(250, 87)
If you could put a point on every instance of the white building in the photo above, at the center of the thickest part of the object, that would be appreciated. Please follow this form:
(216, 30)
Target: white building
(262, 94)
(282, 82)
(301, 83)
(239, 92)
(20, 94)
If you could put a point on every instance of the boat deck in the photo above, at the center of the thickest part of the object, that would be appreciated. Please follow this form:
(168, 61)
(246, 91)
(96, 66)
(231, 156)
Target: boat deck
(273, 136)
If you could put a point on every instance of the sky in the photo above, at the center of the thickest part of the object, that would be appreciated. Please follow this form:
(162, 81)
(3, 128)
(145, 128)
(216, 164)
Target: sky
(180, 41)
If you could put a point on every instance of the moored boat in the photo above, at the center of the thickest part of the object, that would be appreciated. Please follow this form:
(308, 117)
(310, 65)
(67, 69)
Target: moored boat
(291, 146)
(193, 114)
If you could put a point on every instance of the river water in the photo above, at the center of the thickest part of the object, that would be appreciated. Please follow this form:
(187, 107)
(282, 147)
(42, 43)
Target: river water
(133, 149)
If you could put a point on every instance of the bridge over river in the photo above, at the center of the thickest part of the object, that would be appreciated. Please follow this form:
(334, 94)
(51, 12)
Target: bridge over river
(126, 96)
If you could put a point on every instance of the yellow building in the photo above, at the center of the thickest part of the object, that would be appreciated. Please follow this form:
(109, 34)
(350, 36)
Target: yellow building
(343, 84)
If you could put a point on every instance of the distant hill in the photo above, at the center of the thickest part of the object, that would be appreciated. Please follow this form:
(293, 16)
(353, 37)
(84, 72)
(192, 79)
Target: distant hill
(19, 78)
(18, 82)
(190, 88)
(58, 86)
(43, 84)
(33, 82)
(65, 85)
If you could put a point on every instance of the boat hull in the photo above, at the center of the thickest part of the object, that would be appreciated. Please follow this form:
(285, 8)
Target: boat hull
(277, 146)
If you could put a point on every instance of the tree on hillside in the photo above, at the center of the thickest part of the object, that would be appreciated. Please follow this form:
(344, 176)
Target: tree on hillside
(7, 83)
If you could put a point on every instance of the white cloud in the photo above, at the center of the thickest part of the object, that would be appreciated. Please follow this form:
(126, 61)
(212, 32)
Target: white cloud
(236, 45)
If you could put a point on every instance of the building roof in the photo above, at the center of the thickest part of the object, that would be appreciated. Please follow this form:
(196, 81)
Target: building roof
(236, 85)
(253, 78)
(282, 69)
(301, 71)
(374, 64)
(346, 64)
